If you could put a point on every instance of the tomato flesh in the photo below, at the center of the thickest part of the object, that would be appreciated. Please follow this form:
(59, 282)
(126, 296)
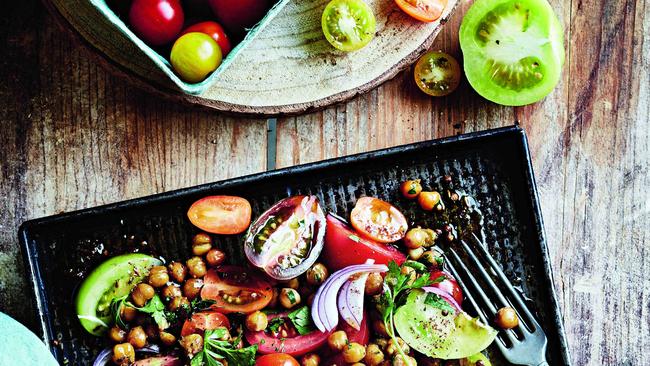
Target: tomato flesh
(214, 30)
(437, 74)
(221, 214)
(276, 359)
(423, 10)
(157, 22)
(378, 220)
(236, 290)
(202, 321)
(345, 247)
(239, 15)
(293, 344)
(449, 285)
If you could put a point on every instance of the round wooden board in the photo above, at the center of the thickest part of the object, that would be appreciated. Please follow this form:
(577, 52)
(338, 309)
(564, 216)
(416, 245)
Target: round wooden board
(288, 68)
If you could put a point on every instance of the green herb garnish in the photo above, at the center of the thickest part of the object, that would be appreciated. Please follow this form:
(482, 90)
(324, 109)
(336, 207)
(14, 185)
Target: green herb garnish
(437, 301)
(301, 319)
(275, 324)
(216, 351)
(156, 308)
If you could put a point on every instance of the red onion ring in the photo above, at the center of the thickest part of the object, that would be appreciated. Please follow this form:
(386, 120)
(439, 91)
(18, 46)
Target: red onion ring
(445, 296)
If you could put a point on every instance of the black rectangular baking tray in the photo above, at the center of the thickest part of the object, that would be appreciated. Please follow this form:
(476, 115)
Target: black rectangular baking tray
(493, 166)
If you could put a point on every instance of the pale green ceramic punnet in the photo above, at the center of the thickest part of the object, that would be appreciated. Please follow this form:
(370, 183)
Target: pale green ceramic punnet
(163, 63)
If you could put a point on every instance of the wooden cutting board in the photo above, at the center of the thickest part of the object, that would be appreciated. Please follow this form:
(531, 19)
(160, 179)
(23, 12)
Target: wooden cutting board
(288, 68)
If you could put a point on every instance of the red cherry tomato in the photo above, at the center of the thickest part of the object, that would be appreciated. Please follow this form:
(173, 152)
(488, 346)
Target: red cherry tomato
(240, 14)
(276, 359)
(344, 247)
(214, 30)
(202, 321)
(449, 285)
(249, 290)
(157, 22)
(293, 344)
(221, 214)
(378, 220)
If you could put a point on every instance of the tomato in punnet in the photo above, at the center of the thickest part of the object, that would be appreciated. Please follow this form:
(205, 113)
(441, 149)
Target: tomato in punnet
(276, 359)
(449, 285)
(202, 321)
(157, 22)
(344, 247)
(214, 30)
(293, 343)
(423, 10)
(236, 290)
(194, 56)
(378, 220)
(238, 15)
(221, 214)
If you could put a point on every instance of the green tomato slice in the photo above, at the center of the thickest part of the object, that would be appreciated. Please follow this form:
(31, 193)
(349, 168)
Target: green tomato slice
(513, 50)
(348, 25)
(474, 359)
(113, 278)
(439, 333)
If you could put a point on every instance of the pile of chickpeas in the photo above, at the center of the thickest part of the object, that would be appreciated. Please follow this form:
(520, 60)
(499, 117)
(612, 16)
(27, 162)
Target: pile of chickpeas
(177, 284)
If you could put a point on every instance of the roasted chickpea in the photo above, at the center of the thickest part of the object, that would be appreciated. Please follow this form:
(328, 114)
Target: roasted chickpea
(178, 302)
(506, 318)
(141, 294)
(374, 284)
(151, 331)
(400, 360)
(337, 340)
(382, 343)
(429, 200)
(289, 297)
(310, 359)
(123, 354)
(353, 352)
(358, 364)
(391, 347)
(215, 257)
(171, 291)
(416, 253)
(196, 267)
(192, 344)
(166, 338)
(178, 271)
(192, 288)
(410, 272)
(374, 355)
(128, 313)
(411, 188)
(257, 321)
(137, 337)
(316, 274)
(158, 276)
(201, 244)
(293, 283)
(432, 258)
(380, 328)
(416, 238)
(117, 334)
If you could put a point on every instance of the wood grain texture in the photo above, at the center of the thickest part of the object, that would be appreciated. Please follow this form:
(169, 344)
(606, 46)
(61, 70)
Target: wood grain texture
(288, 68)
(75, 136)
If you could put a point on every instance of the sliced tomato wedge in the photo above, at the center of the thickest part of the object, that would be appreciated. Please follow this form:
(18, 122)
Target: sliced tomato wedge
(293, 344)
(361, 336)
(423, 10)
(221, 214)
(236, 290)
(378, 220)
(344, 247)
(448, 285)
(276, 359)
(202, 321)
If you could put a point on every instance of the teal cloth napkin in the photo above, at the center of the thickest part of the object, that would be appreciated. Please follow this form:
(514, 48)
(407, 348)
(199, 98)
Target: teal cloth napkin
(19, 346)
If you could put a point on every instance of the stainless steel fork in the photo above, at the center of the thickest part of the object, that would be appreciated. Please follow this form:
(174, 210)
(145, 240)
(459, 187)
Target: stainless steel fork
(522, 345)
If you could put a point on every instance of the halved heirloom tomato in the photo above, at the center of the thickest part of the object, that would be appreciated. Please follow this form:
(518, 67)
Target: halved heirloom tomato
(288, 238)
(236, 290)
(202, 321)
(293, 344)
(378, 220)
(423, 10)
(344, 247)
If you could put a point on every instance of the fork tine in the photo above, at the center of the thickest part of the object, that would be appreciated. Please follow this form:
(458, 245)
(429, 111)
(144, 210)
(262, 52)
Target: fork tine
(516, 296)
(466, 291)
(486, 300)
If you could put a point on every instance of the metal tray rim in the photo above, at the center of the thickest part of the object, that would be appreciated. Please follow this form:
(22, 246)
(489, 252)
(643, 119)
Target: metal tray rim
(33, 270)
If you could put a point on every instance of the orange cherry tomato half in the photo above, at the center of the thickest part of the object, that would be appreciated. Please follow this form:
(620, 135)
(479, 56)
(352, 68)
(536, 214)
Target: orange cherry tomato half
(423, 10)
(214, 30)
(221, 214)
(276, 359)
(202, 321)
(378, 220)
(194, 56)
(236, 290)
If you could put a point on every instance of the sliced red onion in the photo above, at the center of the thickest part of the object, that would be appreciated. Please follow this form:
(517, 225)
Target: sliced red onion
(351, 300)
(445, 296)
(324, 309)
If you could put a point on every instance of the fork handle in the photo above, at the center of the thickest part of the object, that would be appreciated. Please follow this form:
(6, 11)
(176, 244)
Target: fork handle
(543, 363)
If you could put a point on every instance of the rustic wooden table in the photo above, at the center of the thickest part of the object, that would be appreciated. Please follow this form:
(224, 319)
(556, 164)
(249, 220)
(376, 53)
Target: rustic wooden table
(75, 136)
